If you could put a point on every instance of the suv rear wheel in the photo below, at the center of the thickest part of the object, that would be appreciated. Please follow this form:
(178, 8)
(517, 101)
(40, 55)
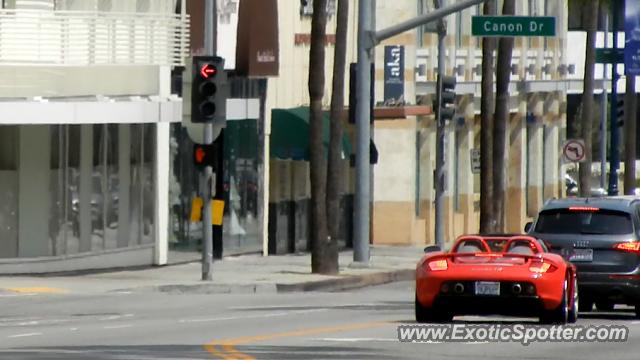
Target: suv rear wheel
(604, 305)
(585, 305)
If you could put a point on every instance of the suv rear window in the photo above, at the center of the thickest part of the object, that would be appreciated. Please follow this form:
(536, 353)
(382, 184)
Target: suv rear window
(566, 221)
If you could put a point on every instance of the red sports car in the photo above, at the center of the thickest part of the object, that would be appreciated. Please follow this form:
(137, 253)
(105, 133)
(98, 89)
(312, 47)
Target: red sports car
(495, 275)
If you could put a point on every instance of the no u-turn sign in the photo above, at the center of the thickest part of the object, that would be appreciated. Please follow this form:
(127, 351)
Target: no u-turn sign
(573, 150)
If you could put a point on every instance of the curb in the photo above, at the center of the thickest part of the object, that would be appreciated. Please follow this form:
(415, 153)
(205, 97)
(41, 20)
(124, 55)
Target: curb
(349, 282)
(346, 282)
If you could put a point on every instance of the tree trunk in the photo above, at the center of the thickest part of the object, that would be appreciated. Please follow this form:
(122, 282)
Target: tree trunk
(587, 97)
(486, 128)
(501, 122)
(334, 173)
(630, 127)
(319, 238)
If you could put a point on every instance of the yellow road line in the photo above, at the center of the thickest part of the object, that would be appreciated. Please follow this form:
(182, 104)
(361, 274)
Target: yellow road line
(230, 352)
(37, 290)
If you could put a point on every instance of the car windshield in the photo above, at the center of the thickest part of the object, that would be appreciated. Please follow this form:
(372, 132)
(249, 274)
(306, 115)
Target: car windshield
(565, 221)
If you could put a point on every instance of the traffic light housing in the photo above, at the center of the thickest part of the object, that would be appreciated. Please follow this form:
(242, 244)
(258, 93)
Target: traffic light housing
(204, 155)
(208, 90)
(446, 108)
(620, 112)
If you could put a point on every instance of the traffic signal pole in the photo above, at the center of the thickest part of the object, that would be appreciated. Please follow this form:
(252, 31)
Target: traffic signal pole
(368, 38)
(615, 133)
(362, 211)
(206, 176)
(441, 176)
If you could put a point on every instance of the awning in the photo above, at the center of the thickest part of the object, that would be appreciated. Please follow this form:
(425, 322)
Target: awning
(290, 134)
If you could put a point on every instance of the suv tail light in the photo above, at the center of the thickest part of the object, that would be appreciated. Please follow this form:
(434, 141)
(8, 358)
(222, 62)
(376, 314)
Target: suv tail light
(438, 265)
(633, 247)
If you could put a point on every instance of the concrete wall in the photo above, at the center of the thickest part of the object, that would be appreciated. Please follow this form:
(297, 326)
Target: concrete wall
(394, 188)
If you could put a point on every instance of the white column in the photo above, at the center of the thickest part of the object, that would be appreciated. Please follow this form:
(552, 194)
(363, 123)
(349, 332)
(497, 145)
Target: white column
(265, 188)
(535, 160)
(516, 165)
(553, 166)
(162, 168)
(465, 174)
(162, 193)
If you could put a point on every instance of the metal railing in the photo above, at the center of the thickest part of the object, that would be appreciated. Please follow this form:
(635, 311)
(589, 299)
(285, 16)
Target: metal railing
(80, 38)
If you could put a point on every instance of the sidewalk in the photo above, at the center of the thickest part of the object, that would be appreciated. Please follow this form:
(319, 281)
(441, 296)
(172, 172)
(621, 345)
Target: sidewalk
(241, 274)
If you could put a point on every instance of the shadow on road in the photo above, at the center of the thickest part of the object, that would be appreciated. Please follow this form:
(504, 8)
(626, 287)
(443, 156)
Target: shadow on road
(107, 352)
(193, 352)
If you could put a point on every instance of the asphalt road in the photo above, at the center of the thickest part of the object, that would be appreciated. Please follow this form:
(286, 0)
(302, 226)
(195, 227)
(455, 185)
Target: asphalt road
(359, 324)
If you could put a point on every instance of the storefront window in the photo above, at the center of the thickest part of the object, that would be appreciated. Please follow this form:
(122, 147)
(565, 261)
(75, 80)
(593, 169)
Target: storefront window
(114, 183)
(8, 191)
(148, 185)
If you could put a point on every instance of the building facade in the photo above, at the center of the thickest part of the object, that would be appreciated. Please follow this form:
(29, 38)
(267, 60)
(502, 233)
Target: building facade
(85, 108)
(403, 182)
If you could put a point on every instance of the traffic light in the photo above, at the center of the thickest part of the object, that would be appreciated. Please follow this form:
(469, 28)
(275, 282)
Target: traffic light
(620, 112)
(446, 108)
(204, 155)
(208, 90)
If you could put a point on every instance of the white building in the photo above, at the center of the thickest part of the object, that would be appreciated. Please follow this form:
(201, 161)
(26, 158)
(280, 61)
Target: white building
(85, 108)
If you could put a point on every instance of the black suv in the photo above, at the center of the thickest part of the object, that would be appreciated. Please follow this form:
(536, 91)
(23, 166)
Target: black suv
(601, 236)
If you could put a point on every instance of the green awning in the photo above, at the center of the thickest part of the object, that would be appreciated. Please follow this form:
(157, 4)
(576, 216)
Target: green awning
(290, 134)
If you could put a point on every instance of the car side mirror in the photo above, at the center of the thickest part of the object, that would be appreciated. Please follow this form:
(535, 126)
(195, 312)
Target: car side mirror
(432, 248)
(527, 226)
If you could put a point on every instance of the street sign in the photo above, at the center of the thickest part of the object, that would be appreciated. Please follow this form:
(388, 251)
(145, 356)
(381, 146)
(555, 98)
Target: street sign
(610, 56)
(513, 26)
(393, 73)
(475, 161)
(632, 38)
(573, 150)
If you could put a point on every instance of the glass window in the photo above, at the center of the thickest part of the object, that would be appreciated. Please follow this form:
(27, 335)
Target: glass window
(72, 174)
(58, 191)
(135, 193)
(111, 194)
(566, 221)
(148, 185)
(8, 191)
(98, 188)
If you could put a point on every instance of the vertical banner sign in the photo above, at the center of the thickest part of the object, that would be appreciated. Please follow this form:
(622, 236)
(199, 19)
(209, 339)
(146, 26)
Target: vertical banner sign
(393, 73)
(632, 38)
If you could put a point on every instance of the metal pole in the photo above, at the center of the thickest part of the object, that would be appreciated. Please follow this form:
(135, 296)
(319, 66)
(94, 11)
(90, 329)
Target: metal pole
(363, 185)
(603, 114)
(205, 178)
(613, 123)
(441, 178)
(423, 19)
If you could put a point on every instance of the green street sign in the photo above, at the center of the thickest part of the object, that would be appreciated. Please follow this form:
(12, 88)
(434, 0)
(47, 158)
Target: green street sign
(609, 56)
(513, 26)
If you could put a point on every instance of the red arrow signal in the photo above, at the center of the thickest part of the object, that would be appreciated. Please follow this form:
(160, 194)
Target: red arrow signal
(208, 70)
(200, 154)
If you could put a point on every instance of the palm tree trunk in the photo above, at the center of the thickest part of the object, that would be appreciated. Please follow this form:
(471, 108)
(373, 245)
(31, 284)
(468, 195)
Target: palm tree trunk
(334, 173)
(630, 128)
(318, 233)
(501, 121)
(486, 128)
(587, 97)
